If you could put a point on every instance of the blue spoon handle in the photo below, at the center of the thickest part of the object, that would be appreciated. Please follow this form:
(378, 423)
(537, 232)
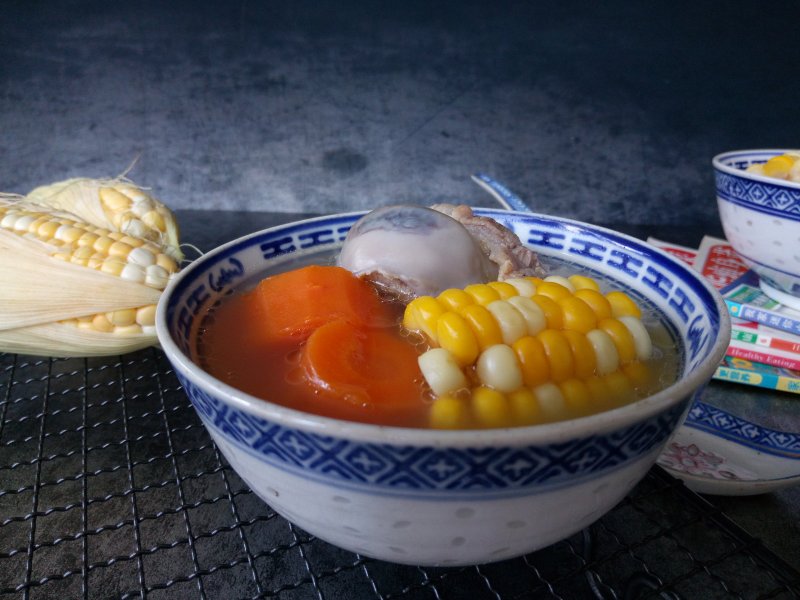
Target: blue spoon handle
(507, 199)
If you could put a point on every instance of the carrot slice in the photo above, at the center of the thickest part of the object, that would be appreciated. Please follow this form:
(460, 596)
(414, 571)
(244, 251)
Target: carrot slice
(372, 370)
(297, 302)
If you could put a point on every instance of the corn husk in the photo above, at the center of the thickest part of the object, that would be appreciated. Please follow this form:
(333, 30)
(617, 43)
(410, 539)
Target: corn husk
(47, 301)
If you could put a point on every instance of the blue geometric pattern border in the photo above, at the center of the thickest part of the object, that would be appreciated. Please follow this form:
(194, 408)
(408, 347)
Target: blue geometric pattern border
(429, 471)
(705, 417)
(759, 196)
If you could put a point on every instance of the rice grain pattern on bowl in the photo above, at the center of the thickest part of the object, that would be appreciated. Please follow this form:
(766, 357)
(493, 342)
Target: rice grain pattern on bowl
(761, 217)
(430, 497)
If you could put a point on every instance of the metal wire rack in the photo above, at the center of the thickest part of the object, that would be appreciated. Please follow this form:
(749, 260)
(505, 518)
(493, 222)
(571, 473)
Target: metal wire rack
(110, 487)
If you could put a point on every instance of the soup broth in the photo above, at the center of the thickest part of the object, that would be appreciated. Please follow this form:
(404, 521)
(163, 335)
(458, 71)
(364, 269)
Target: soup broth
(226, 348)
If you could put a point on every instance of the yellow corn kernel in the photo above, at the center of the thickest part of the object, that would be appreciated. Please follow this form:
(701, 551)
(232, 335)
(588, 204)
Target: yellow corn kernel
(454, 299)
(532, 360)
(449, 412)
(112, 266)
(155, 220)
(454, 334)
(68, 234)
(577, 396)
(524, 407)
(482, 293)
(119, 250)
(534, 280)
(622, 304)
(553, 290)
(497, 367)
(34, 225)
(166, 262)
(102, 244)
(577, 315)
(47, 230)
(619, 388)
(490, 408)
(582, 353)
(550, 401)
(95, 261)
(122, 318)
(87, 239)
(114, 200)
(505, 289)
(81, 256)
(778, 166)
(146, 315)
(559, 356)
(101, 323)
(131, 329)
(422, 314)
(562, 281)
(582, 282)
(639, 374)
(623, 340)
(598, 391)
(551, 309)
(483, 325)
(511, 322)
(597, 301)
(133, 242)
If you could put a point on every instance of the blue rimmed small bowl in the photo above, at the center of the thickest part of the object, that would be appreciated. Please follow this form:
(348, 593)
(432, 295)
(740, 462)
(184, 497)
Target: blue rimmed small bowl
(761, 219)
(445, 497)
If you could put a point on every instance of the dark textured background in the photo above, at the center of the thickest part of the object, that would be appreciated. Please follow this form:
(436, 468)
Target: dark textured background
(606, 111)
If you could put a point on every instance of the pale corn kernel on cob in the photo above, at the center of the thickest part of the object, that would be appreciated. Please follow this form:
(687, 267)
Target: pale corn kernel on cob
(116, 205)
(75, 289)
(508, 352)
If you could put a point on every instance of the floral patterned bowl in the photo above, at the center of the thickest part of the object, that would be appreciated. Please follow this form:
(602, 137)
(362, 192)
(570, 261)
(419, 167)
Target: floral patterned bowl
(455, 497)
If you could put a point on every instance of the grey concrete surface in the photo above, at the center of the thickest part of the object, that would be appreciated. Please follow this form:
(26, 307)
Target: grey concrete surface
(607, 111)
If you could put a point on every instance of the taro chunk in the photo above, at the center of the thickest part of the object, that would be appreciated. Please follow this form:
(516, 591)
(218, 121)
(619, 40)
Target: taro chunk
(411, 251)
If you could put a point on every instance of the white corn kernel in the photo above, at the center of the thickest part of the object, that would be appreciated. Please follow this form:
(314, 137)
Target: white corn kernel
(641, 338)
(156, 277)
(605, 351)
(531, 312)
(142, 256)
(131, 272)
(512, 324)
(497, 368)
(441, 371)
(524, 287)
(563, 281)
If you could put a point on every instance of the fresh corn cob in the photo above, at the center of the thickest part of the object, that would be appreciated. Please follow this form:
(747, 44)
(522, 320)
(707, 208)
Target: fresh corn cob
(75, 289)
(528, 350)
(116, 205)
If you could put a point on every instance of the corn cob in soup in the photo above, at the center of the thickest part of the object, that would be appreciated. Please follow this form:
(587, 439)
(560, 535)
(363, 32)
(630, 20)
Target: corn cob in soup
(83, 273)
(527, 350)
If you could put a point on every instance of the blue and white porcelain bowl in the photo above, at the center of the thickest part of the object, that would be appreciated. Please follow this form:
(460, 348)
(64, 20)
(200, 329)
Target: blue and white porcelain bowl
(445, 497)
(761, 218)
